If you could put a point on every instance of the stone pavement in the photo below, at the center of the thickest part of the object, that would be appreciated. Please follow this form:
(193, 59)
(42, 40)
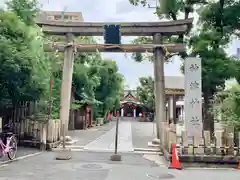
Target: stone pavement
(143, 133)
(96, 166)
(132, 135)
(84, 137)
(106, 142)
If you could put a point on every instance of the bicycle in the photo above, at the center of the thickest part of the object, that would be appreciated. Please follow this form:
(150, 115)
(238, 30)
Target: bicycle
(8, 145)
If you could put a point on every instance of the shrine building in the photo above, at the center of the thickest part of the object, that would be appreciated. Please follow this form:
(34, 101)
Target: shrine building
(174, 90)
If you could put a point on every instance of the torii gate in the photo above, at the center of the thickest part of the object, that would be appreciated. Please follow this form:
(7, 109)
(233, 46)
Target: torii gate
(156, 29)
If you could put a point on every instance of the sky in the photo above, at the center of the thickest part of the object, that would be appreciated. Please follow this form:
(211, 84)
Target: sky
(121, 11)
(116, 11)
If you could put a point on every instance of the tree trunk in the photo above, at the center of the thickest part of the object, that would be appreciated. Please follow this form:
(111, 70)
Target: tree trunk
(208, 121)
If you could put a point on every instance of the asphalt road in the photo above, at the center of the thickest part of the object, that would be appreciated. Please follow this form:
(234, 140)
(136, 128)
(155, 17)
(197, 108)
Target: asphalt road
(97, 166)
(20, 153)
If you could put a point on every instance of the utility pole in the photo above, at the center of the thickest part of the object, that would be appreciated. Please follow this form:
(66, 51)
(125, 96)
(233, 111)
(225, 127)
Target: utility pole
(116, 156)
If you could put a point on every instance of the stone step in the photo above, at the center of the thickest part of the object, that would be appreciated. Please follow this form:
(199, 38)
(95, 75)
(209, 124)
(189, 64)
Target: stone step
(72, 147)
(147, 149)
(150, 144)
(148, 152)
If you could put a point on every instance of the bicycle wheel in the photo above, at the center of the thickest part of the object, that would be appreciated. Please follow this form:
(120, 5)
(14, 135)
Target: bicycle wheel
(12, 148)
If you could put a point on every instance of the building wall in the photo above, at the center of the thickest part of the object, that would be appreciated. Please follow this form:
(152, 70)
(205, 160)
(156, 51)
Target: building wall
(57, 15)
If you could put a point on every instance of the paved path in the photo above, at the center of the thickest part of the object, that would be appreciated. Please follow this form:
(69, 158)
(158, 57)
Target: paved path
(143, 133)
(84, 137)
(106, 142)
(132, 135)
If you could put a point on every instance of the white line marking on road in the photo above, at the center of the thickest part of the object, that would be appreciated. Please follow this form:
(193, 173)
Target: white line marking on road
(19, 158)
(4, 165)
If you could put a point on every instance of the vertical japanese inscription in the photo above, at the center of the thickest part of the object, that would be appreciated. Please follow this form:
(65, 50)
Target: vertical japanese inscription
(193, 96)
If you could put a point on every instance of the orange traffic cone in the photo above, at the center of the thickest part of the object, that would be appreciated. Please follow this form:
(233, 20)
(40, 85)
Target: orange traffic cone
(238, 164)
(109, 116)
(175, 164)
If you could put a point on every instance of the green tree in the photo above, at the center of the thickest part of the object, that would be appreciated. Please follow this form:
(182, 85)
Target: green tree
(109, 92)
(21, 61)
(171, 10)
(26, 70)
(26, 10)
(217, 23)
(226, 107)
(145, 92)
(217, 67)
(209, 44)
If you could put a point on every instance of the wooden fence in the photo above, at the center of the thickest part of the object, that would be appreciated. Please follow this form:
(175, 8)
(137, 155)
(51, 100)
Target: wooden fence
(44, 135)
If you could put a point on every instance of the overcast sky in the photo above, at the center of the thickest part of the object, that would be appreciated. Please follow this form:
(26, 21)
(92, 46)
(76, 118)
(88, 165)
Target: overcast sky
(116, 11)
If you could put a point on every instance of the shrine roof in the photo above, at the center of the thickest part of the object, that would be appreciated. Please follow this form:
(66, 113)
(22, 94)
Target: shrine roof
(130, 101)
(132, 92)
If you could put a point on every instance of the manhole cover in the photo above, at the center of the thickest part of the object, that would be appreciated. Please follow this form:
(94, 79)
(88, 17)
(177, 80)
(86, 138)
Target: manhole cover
(161, 176)
(91, 166)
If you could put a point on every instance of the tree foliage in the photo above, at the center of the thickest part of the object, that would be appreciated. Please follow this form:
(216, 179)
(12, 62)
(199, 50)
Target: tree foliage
(226, 107)
(21, 60)
(26, 70)
(145, 92)
(218, 21)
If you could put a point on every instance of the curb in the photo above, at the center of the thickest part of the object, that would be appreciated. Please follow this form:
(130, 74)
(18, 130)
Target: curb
(72, 148)
(150, 144)
(206, 168)
(20, 158)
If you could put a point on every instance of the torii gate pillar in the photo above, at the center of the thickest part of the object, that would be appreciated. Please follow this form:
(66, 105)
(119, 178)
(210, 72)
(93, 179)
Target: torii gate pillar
(158, 65)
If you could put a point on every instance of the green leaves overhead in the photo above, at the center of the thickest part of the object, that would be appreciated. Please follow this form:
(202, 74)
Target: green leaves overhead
(20, 55)
(226, 107)
(219, 21)
(26, 70)
(145, 92)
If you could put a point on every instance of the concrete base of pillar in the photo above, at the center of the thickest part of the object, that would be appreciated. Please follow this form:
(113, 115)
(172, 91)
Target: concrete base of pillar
(63, 154)
(116, 157)
(156, 141)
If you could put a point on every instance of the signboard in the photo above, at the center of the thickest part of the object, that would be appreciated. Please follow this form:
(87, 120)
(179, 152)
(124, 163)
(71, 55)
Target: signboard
(193, 96)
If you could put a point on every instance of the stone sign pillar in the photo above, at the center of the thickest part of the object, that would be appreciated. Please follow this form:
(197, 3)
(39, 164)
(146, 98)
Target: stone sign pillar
(193, 97)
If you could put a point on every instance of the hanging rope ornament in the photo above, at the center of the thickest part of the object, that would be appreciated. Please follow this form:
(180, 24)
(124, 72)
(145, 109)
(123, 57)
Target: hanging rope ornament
(148, 56)
(97, 51)
(56, 53)
(125, 54)
(166, 54)
(75, 48)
